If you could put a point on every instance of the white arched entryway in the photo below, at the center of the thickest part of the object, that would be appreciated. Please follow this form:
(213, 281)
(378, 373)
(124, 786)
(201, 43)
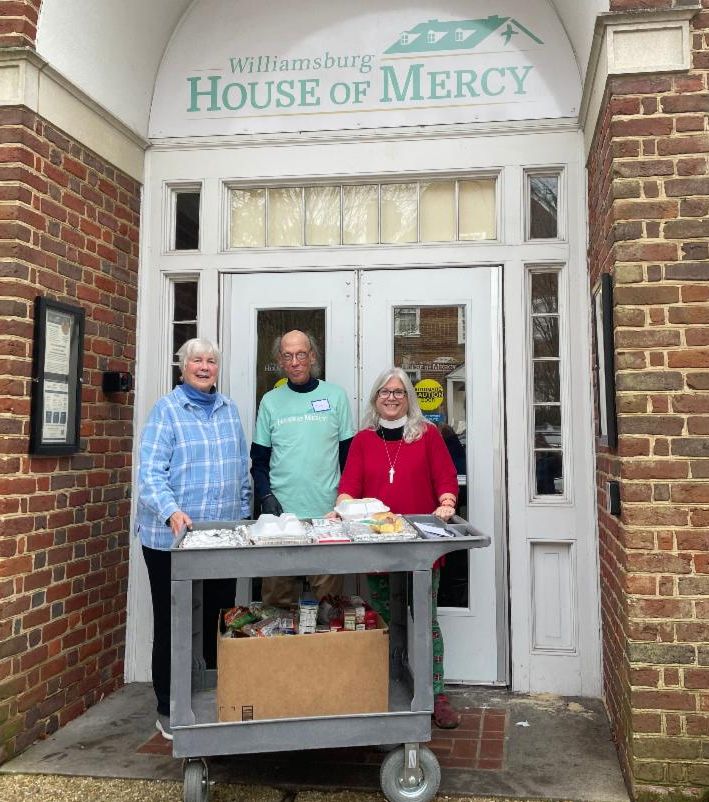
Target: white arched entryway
(332, 98)
(122, 45)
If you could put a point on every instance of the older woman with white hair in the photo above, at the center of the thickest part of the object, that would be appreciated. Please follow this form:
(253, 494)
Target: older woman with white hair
(193, 467)
(401, 459)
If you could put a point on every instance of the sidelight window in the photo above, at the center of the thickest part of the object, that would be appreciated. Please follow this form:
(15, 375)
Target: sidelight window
(183, 319)
(547, 432)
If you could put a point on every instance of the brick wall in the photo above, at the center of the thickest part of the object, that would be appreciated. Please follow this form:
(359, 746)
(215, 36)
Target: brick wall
(649, 224)
(18, 22)
(613, 579)
(68, 230)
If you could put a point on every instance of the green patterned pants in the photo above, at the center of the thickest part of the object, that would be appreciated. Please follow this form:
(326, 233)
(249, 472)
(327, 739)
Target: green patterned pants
(379, 593)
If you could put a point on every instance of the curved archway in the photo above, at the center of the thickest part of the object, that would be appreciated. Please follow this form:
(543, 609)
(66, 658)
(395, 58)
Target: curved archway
(333, 68)
(122, 46)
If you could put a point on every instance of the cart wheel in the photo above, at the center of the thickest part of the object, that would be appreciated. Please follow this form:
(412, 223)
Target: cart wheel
(391, 777)
(196, 782)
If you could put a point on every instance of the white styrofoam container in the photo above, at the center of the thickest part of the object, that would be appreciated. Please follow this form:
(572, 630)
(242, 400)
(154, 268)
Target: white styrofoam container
(357, 508)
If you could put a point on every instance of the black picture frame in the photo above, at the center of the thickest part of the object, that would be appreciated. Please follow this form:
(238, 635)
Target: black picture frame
(57, 365)
(605, 360)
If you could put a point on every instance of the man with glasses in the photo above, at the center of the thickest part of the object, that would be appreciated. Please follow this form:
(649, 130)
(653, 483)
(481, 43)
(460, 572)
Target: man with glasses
(303, 431)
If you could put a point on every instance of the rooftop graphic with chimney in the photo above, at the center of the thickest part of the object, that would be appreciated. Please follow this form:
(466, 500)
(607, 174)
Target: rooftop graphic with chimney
(435, 36)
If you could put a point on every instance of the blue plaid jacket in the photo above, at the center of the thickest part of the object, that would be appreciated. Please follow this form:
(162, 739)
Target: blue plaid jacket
(191, 462)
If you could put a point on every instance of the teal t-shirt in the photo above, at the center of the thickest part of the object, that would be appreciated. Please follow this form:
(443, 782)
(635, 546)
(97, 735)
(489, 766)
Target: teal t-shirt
(303, 431)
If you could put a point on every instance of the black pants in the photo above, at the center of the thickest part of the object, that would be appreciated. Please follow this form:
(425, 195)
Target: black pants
(217, 593)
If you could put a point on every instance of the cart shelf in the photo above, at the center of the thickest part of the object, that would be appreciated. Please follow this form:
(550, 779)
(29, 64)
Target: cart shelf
(198, 734)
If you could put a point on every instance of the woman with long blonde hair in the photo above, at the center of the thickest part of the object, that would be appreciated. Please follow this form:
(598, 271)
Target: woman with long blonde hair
(401, 459)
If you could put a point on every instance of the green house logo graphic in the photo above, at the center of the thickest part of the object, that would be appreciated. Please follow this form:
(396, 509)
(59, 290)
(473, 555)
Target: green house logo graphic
(434, 36)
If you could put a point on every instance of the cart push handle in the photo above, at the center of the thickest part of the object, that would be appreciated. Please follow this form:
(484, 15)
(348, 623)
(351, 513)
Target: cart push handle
(433, 528)
(469, 529)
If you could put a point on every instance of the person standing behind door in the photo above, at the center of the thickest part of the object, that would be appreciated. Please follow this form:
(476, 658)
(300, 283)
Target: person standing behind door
(303, 432)
(193, 467)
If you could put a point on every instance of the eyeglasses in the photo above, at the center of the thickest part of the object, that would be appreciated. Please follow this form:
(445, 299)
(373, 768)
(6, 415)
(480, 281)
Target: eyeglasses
(398, 393)
(301, 356)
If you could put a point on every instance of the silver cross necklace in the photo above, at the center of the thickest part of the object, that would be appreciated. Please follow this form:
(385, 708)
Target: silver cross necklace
(389, 459)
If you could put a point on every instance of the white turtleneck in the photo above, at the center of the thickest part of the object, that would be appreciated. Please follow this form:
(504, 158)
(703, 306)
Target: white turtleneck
(392, 424)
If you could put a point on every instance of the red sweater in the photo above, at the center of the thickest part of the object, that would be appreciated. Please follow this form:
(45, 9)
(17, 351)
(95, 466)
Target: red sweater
(424, 471)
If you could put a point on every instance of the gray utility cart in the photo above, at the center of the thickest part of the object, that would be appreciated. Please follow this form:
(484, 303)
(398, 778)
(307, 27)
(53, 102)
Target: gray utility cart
(407, 773)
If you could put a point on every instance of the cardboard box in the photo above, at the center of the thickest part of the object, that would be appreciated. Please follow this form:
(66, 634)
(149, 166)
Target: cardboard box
(296, 676)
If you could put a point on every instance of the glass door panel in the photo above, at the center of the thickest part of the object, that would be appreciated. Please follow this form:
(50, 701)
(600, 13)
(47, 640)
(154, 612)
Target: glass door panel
(443, 327)
(429, 344)
(271, 324)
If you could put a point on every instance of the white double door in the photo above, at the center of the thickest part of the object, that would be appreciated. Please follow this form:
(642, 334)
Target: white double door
(434, 322)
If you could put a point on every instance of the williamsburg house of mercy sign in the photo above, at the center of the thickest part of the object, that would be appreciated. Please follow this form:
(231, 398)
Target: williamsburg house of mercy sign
(373, 70)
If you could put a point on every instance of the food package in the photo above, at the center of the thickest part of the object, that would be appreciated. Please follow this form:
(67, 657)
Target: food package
(327, 531)
(355, 509)
(278, 530)
(238, 617)
(387, 523)
(307, 615)
(265, 628)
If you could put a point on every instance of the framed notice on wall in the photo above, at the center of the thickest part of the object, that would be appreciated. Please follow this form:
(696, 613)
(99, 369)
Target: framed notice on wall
(56, 377)
(605, 360)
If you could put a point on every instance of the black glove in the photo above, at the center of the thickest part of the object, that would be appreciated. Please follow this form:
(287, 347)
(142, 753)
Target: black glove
(270, 505)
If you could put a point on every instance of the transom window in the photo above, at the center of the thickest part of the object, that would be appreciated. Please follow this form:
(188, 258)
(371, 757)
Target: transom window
(543, 198)
(185, 214)
(450, 210)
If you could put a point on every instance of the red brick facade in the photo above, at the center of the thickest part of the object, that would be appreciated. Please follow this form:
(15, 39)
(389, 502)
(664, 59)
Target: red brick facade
(649, 226)
(18, 22)
(68, 231)
(69, 225)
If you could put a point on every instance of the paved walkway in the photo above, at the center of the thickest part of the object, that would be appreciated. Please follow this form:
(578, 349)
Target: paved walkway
(541, 747)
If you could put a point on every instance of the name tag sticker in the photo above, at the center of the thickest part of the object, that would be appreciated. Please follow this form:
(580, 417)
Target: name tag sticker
(322, 405)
